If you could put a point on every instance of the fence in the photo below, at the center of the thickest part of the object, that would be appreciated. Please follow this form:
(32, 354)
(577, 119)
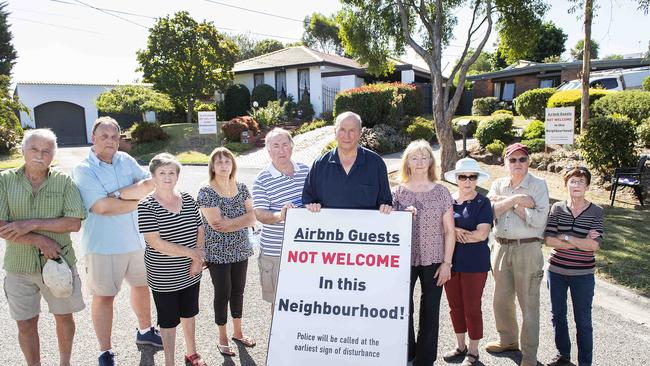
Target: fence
(328, 98)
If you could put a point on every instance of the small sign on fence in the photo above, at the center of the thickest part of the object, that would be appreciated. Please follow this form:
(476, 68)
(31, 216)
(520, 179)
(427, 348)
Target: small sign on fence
(560, 125)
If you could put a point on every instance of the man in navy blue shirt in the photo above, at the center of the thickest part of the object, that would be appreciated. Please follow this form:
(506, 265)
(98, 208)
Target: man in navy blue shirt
(349, 176)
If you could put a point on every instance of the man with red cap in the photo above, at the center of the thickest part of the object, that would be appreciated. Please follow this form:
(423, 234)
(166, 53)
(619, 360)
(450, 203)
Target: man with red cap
(520, 203)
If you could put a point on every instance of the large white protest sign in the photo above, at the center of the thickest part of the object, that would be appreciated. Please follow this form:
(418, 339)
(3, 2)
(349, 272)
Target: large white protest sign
(207, 122)
(559, 125)
(343, 290)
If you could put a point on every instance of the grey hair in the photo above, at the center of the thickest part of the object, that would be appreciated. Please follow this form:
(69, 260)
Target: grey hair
(277, 132)
(164, 159)
(44, 133)
(345, 115)
(106, 120)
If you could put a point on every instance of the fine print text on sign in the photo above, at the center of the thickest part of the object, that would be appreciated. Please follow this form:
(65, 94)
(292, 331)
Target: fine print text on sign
(559, 125)
(343, 290)
(207, 122)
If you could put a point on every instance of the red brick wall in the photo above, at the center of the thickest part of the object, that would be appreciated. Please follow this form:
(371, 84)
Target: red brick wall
(482, 89)
(524, 83)
(569, 74)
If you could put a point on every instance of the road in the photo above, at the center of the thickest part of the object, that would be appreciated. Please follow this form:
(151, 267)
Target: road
(617, 339)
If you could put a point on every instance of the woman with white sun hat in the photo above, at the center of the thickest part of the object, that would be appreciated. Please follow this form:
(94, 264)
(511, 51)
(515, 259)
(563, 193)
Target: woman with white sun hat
(471, 261)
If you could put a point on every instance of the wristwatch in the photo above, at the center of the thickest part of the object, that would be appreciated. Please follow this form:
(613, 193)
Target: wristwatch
(565, 237)
(449, 263)
(116, 194)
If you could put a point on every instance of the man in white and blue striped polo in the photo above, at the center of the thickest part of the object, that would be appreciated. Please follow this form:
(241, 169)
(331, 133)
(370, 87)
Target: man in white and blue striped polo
(276, 189)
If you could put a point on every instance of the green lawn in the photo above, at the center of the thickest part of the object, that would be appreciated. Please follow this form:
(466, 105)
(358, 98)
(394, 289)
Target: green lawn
(185, 143)
(519, 121)
(11, 161)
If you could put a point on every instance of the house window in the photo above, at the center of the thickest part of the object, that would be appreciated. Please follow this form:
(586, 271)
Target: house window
(281, 84)
(497, 90)
(546, 83)
(508, 93)
(258, 79)
(303, 82)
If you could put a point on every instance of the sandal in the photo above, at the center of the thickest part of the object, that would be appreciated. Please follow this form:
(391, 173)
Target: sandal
(470, 360)
(225, 350)
(245, 341)
(194, 360)
(455, 354)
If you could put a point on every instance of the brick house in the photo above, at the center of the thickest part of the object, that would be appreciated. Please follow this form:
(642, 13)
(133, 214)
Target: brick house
(517, 78)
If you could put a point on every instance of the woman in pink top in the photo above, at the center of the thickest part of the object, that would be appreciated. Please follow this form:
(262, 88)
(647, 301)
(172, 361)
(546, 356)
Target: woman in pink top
(432, 244)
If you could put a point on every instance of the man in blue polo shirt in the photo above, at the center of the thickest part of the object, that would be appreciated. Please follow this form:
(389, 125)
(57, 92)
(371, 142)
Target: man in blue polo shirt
(276, 189)
(111, 184)
(349, 176)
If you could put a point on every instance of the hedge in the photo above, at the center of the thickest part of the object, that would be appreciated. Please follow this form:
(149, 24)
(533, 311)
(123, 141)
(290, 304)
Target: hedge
(495, 128)
(532, 103)
(535, 145)
(573, 98)
(237, 101)
(421, 128)
(644, 132)
(263, 94)
(534, 130)
(484, 106)
(646, 83)
(632, 103)
(609, 143)
(380, 103)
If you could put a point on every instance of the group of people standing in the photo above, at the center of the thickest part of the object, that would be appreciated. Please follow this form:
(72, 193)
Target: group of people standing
(138, 226)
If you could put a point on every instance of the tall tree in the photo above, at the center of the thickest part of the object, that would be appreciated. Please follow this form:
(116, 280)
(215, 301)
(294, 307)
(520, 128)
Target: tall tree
(577, 51)
(546, 40)
(267, 46)
(133, 99)
(375, 30)
(250, 47)
(187, 60)
(322, 33)
(7, 52)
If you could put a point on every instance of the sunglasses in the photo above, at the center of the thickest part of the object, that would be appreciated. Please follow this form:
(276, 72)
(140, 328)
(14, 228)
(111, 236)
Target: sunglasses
(522, 159)
(463, 178)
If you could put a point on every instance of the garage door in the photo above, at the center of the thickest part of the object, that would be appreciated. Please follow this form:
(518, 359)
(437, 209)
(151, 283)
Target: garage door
(67, 120)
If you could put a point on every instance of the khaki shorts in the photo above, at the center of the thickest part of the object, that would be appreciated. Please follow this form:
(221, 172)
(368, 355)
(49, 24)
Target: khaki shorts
(24, 292)
(105, 272)
(269, 272)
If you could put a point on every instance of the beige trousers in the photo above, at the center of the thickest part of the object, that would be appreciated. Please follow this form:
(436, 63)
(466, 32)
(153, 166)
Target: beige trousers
(517, 270)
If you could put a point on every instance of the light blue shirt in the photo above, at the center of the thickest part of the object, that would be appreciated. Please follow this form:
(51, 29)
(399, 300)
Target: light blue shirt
(108, 234)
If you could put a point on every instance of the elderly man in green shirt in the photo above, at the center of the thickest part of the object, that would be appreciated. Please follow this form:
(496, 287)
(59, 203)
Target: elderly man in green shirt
(39, 208)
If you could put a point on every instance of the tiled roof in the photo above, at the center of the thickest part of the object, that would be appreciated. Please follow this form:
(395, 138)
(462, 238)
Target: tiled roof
(50, 82)
(293, 56)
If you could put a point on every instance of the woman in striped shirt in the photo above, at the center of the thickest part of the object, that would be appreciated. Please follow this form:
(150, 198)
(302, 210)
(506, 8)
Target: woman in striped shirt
(172, 228)
(574, 231)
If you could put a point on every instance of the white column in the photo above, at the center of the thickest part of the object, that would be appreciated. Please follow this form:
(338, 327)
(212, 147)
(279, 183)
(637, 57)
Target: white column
(316, 90)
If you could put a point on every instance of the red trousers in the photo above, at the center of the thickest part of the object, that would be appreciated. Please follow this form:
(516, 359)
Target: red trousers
(464, 291)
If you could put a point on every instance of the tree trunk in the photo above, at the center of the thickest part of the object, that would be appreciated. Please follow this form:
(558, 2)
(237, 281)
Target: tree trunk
(444, 134)
(586, 67)
(190, 110)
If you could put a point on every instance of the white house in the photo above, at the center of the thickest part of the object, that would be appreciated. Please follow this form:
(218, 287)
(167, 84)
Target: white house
(294, 70)
(66, 108)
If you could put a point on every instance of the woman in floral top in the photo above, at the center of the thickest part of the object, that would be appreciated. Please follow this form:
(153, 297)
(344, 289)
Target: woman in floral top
(432, 244)
(227, 210)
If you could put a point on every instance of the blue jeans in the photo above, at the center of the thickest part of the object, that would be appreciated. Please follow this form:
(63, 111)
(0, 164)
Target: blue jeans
(582, 295)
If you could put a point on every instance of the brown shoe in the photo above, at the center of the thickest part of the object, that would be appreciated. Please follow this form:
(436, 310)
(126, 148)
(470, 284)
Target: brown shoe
(456, 354)
(524, 363)
(497, 347)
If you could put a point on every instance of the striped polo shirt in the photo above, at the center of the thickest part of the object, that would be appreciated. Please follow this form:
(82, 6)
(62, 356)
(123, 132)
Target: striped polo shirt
(271, 190)
(573, 262)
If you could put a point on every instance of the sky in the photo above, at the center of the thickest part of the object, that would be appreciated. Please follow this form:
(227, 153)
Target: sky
(67, 41)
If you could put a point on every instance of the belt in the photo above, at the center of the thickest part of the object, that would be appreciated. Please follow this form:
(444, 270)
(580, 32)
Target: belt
(505, 241)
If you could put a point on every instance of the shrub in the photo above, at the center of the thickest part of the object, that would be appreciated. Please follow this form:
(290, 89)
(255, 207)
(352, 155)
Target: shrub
(632, 103)
(495, 128)
(309, 126)
(147, 132)
(263, 94)
(644, 132)
(609, 143)
(384, 103)
(532, 103)
(534, 130)
(572, 98)
(304, 109)
(232, 129)
(535, 145)
(484, 106)
(646, 83)
(269, 115)
(237, 147)
(9, 139)
(382, 139)
(237, 100)
(502, 111)
(496, 147)
(471, 128)
(420, 128)
(327, 116)
(290, 107)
